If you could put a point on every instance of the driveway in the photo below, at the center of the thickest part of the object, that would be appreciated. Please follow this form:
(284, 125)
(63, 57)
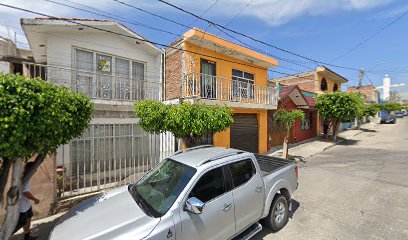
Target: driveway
(355, 190)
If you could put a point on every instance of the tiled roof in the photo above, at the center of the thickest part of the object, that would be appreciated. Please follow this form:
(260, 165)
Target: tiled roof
(311, 102)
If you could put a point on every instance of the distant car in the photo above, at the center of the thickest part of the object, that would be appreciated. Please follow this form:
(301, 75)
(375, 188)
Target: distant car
(399, 114)
(405, 112)
(388, 119)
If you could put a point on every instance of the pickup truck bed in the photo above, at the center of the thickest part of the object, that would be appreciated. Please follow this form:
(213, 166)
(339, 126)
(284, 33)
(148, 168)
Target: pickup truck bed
(269, 164)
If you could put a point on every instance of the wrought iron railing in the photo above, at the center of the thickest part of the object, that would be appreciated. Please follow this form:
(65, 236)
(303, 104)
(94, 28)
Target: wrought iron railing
(218, 88)
(97, 85)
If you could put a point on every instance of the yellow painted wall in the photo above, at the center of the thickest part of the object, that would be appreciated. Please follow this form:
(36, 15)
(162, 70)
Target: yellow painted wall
(223, 68)
(222, 139)
(330, 83)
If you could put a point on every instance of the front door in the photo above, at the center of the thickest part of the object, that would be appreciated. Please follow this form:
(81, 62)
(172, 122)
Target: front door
(208, 79)
(217, 221)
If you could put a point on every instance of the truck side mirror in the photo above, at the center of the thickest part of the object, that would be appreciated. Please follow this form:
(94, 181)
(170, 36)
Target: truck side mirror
(194, 205)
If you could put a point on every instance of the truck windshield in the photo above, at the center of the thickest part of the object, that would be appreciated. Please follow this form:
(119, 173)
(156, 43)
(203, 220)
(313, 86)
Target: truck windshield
(156, 191)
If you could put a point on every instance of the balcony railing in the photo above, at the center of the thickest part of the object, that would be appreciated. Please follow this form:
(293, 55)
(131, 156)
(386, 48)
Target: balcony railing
(97, 85)
(218, 88)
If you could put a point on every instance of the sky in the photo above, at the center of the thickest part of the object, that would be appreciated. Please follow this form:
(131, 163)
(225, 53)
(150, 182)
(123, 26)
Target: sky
(368, 34)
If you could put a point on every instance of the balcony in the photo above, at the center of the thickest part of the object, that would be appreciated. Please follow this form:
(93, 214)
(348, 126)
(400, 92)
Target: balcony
(233, 92)
(101, 88)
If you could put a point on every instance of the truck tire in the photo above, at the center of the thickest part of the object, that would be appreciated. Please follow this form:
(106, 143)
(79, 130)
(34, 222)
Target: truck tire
(278, 214)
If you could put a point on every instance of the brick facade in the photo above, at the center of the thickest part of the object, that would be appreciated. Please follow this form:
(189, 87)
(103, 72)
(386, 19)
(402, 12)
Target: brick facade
(305, 86)
(174, 66)
(367, 91)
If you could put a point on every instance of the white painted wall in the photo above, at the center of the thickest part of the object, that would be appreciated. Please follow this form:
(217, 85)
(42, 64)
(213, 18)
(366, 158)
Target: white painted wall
(60, 52)
(4, 67)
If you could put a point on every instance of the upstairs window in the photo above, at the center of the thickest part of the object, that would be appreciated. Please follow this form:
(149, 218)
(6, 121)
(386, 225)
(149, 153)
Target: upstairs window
(242, 84)
(335, 87)
(323, 85)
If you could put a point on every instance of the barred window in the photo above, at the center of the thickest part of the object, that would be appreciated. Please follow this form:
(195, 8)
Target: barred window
(306, 123)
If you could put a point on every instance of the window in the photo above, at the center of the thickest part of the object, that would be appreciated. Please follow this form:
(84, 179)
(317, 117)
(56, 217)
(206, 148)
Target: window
(242, 84)
(241, 172)
(109, 77)
(84, 81)
(122, 85)
(335, 87)
(306, 123)
(323, 85)
(210, 185)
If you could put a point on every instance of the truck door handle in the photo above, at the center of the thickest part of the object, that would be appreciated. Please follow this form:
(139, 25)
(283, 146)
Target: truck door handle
(227, 206)
(258, 188)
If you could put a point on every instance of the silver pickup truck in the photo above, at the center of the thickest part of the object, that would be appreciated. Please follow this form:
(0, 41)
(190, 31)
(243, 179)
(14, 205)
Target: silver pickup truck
(201, 193)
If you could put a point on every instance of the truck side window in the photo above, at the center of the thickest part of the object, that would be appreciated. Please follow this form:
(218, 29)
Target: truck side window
(210, 186)
(241, 172)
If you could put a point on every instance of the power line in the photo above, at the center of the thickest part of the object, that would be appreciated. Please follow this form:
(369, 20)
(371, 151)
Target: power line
(239, 13)
(110, 16)
(151, 13)
(371, 36)
(252, 38)
(140, 39)
(190, 27)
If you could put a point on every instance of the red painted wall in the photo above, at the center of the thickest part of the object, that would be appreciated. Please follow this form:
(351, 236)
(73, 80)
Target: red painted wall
(298, 135)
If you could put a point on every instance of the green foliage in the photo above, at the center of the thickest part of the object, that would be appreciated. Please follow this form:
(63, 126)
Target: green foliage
(287, 118)
(36, 116)
(391, 106)
(339, 106)
(369, 110)
(183, 120)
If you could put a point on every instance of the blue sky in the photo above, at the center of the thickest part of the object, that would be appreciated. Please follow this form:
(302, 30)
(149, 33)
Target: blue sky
(319, 29)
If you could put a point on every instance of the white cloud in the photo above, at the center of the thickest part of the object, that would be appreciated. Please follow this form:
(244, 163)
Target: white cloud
(272, 12)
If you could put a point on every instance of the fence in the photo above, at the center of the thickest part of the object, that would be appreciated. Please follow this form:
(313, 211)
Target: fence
(97, 85)
(108, 155)
(214, 87)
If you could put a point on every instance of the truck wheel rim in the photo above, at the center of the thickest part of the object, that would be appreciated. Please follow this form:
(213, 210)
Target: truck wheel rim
(279, 212)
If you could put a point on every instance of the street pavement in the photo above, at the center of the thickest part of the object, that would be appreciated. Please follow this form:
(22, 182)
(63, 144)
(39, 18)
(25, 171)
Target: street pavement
(355, 190)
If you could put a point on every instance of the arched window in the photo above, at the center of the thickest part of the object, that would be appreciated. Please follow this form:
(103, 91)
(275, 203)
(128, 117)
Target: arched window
(335, 87)
(323, 85)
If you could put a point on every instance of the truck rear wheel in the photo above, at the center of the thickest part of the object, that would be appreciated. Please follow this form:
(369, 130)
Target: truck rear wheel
(278, 214)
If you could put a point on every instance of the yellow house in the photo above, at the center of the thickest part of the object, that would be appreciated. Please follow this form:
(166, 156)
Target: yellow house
(204, 68)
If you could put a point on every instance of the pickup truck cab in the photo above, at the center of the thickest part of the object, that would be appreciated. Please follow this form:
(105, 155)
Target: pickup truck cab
(201, 193)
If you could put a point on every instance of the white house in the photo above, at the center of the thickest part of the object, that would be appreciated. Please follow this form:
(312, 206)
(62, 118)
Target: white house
(114, 66)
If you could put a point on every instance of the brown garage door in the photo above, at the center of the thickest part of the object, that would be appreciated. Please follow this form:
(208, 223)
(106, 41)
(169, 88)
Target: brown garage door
(244, 132)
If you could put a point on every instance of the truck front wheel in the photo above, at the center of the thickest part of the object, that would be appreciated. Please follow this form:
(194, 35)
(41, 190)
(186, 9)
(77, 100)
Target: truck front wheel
(278, 214)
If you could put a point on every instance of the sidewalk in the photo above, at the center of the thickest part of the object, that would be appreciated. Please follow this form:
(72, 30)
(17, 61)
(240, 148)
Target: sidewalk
(308, 148)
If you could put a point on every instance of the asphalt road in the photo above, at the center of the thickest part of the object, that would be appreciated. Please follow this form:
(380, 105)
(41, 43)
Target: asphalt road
(356, 190)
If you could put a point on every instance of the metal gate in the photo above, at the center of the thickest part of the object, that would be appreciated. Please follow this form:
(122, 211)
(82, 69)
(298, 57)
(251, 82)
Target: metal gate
(108, 155)
(244, 132)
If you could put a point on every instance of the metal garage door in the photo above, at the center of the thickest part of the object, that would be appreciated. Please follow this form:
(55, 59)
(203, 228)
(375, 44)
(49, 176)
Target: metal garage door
(244, 132)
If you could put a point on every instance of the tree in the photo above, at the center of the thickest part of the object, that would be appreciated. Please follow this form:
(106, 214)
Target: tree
(369, 110)
(287, 118)
(35, 118)
(337, 107)
(391, 107)
(189, 122)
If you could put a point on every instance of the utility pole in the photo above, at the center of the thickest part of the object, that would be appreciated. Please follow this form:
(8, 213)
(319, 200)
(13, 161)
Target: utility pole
(360, 82)
(360, 78)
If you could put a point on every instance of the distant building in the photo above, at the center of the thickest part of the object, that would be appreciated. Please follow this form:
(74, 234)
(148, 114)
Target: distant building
(319, 81)
(12, 57)
(371, 95)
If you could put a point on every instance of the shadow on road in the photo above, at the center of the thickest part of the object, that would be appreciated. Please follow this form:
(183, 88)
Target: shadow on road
(42, 230)
(367, 130)
(347, 142)
(266, 231)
